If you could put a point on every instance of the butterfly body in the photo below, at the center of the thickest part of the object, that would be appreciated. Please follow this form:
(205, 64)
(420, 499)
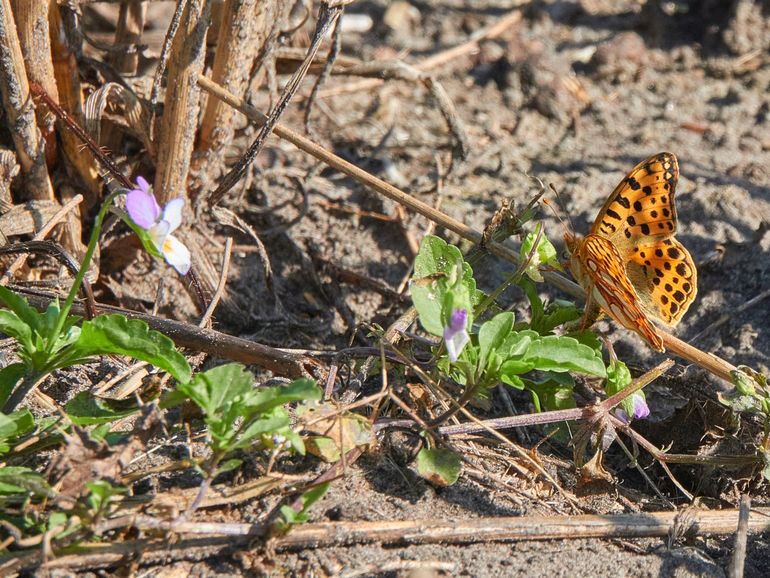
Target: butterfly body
(630, 264)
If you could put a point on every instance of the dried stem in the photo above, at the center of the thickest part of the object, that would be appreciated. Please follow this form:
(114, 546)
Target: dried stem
(224, 536)
(242, 33)
(70, 98)
(19, 112)
(176, 137)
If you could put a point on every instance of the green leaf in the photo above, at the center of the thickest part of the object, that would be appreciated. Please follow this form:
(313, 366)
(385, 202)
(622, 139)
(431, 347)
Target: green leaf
(544, 255)
(276, 419)
(116, 334)
(101, 494)
(493, 334)
(23, 310)
(440, 466)
(556, 313)
(10, 376)
(535, 303)
(618, 378)
(218, 387)
(229, 466)
(266, 398)
(13, 326)
(562, 353)
(87, 409)
(13, 426)
(290, 516)
(552, 392)
(442, 282)
(18, 480)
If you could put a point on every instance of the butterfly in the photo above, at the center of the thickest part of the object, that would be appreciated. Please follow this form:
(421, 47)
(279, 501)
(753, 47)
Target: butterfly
(630, 264)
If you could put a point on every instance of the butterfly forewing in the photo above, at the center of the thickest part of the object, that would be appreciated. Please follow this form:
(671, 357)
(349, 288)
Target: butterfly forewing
(642, 204)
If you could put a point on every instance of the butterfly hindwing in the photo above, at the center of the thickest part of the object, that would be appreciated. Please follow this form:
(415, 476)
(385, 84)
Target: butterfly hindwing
(665, 277)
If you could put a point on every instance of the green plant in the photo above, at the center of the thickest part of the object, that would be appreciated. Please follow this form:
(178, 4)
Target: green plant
(499, 349)
(55, 340)
(238, 415)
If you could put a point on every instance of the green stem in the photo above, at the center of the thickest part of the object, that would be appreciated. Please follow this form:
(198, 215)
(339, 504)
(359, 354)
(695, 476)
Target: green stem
(95, 234)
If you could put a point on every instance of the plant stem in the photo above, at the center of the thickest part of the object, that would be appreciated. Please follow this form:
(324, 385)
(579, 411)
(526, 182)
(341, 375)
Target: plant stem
(95, 234)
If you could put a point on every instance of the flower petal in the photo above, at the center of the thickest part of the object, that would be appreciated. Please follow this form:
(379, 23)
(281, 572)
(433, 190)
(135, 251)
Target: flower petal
(176, 254)
(172, 213)
(641, 409)
(456, 343)
(158, 234)
(141, 205)
(143, 185)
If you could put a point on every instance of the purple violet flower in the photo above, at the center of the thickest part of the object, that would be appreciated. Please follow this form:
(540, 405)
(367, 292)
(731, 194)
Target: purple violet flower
(641, 410)
(146, 213)
(455, 335)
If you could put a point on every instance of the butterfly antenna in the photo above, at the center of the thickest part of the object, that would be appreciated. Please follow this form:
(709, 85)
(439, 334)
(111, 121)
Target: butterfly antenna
(566, 224)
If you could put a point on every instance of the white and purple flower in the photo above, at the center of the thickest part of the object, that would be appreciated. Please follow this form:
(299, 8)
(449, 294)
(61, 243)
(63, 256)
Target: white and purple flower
(455, 334)
(640, 411)
(159, 224)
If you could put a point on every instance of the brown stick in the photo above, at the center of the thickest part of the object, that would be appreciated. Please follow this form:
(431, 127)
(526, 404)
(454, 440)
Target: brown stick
(70, 98)
(35, 38)
(128, 34)
(244, 28)
(213, 342)
(347, 533)
(436, 60)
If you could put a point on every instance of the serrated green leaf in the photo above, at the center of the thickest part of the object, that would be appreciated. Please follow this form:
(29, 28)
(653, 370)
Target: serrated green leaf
(87, 409)
(118, 335)
(218, 387)
(439, 466)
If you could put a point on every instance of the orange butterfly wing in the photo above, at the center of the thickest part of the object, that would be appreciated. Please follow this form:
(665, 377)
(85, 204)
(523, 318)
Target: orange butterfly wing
(634, 267)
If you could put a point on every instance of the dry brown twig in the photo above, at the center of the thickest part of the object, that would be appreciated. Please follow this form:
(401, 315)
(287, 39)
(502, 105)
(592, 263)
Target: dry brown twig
(220, 537)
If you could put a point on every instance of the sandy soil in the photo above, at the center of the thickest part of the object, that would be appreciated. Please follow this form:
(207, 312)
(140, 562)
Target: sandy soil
(575, 94)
